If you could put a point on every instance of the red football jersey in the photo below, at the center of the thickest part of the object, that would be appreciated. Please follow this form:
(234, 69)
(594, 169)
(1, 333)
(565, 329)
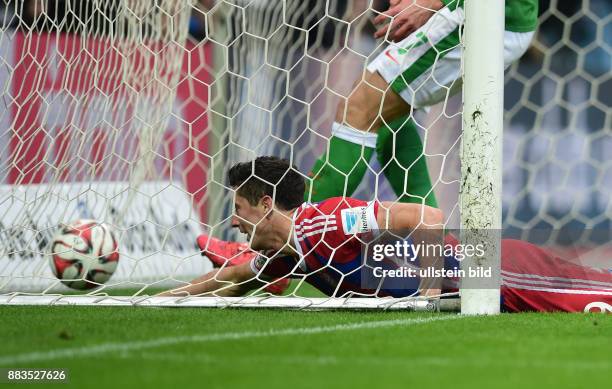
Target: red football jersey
(328, 236)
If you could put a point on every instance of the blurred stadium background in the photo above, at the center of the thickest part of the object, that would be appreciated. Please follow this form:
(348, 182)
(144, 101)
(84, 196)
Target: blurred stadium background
(246, 78)
(195, 76)
(557, 139)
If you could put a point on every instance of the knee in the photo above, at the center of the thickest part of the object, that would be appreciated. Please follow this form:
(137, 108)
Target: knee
(433, 217)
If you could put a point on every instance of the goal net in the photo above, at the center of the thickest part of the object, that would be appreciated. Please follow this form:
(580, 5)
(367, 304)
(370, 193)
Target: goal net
(130, 113)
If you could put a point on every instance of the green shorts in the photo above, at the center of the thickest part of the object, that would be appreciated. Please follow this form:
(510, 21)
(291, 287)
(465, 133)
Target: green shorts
(425, 68)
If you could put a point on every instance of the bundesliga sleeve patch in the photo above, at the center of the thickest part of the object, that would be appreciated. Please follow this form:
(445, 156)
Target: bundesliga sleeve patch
(357, 220)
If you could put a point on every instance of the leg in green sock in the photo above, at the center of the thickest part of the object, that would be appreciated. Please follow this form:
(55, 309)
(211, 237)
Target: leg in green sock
(338, 172)
(407, 173)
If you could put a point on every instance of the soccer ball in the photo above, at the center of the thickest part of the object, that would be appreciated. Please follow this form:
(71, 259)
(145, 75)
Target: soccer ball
(84, 254)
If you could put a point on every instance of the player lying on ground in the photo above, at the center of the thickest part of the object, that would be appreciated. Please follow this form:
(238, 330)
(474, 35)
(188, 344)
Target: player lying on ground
(420, 67)
(320, 243)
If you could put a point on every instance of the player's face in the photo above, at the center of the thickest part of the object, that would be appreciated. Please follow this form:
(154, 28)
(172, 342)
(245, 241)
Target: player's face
(250, 220)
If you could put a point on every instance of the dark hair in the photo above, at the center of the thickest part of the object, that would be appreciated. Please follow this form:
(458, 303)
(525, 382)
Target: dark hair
(260, 177)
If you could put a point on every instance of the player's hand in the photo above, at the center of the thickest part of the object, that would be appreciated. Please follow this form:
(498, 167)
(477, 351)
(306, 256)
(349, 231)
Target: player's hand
(404, 17)
(432, 292)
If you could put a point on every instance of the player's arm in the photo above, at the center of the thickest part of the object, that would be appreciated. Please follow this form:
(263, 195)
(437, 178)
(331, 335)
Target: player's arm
(228, 281)
(400, 216)
(427, 224)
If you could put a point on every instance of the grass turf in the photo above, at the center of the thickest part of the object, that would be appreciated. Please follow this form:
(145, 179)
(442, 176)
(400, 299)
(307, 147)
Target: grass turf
(226, 348)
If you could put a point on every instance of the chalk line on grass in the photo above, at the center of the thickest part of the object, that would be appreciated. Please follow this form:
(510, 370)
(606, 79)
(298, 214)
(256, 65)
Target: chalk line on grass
(216, 337)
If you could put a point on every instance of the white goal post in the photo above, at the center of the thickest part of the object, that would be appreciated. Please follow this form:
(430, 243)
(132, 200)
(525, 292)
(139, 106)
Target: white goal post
(130, 112)
(482, 151)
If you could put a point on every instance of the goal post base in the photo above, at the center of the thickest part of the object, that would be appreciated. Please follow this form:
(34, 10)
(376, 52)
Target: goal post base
(480, 302)
(413, 304)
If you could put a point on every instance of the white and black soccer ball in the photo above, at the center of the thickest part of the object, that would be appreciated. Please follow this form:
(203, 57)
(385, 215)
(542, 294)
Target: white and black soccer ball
(84, 254)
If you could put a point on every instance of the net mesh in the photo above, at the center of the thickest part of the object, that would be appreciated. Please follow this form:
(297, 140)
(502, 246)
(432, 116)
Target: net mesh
(130, 111)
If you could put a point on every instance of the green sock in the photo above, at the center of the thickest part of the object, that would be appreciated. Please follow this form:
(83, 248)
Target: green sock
(407, 173)
(339, 171)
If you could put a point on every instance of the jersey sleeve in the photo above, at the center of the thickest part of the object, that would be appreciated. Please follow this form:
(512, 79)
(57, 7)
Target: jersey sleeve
(453, 4)
(357, 217)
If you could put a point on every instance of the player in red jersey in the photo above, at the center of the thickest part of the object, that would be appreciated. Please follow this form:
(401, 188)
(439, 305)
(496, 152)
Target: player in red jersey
(269, 208)
(322, 243)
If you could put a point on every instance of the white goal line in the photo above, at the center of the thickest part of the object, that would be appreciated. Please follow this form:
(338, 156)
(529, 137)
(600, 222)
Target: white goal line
(414, 304)
(117, 348)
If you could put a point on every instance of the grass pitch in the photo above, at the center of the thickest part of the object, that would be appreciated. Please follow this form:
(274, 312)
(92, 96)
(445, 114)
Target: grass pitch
(106, 347)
